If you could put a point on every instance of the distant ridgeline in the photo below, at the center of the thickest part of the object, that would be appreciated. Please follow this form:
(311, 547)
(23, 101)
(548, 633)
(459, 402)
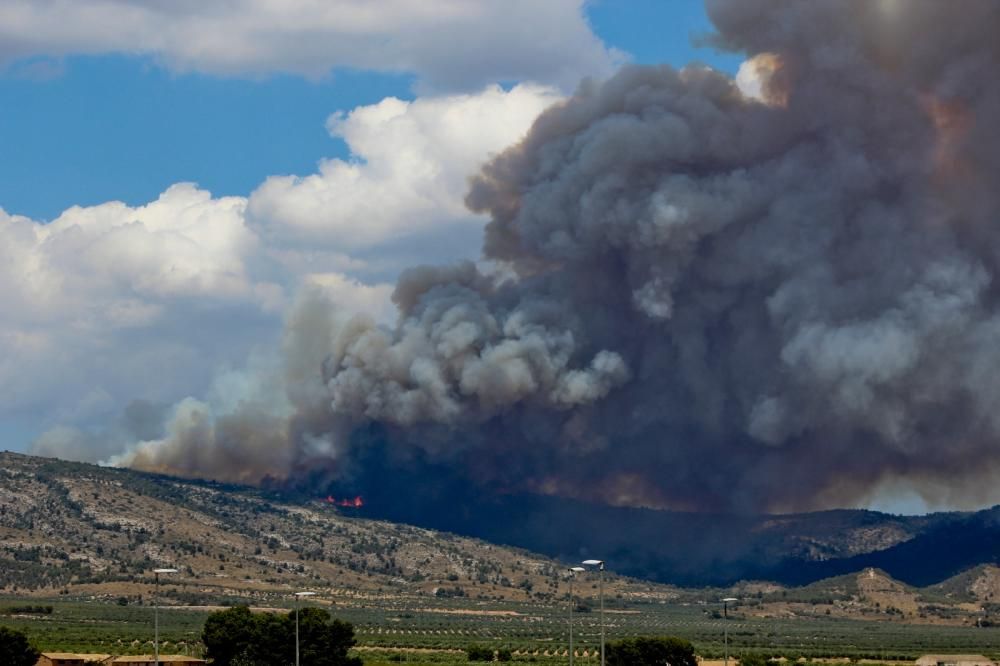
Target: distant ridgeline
(688, 549)
(692, 549)
(95, 511)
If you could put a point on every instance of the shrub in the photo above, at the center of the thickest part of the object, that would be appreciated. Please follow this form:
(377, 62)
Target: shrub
(479, 653)
(753, 659)
(15, 650)
(650, 651)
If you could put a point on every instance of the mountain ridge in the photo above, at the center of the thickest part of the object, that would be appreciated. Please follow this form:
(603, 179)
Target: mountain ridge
(698, 549)
(108, 526)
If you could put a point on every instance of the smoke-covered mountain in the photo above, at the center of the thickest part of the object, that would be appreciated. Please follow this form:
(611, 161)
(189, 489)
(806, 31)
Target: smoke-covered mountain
(700, 549)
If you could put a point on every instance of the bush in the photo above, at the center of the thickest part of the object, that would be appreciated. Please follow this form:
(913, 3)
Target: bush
(753, 659)
(649, 651)
(28, 610)
(479, 653)
(15, 650)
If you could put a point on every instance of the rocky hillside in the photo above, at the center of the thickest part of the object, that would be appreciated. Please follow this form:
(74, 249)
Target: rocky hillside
(967, 599)
(81, 530)
(84, 531)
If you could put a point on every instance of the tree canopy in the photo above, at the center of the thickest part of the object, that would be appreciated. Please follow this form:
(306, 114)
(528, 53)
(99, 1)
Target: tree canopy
(237, 637)
(651, 651)
(15, 649)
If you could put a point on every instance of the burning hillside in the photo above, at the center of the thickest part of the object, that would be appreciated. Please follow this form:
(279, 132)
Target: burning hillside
(355, 503)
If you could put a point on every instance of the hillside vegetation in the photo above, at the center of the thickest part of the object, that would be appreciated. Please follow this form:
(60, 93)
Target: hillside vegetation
(76, 531)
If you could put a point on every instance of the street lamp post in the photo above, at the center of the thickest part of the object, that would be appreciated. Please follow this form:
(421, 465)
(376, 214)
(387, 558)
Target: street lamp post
(725, 625)
(600, 566)
(156, 612)
(573, 571)
(298, 598)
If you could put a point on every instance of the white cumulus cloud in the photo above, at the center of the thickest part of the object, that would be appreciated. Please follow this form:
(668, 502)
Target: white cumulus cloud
(407, 174)
(105, 298)
(448, 44)
(111, 304)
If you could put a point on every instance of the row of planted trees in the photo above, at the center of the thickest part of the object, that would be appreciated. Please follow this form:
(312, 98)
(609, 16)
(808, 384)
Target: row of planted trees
(237, 637)
(641, 651)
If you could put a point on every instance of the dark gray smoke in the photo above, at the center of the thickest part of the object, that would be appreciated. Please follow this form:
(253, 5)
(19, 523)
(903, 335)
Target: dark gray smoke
(695, 298)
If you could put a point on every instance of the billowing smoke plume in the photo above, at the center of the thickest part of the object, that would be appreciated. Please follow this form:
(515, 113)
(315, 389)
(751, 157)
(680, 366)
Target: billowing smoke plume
(695, 297)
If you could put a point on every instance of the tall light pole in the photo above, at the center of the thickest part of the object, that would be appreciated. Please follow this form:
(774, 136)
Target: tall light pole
(156, 612)
(600, 566)
(725, 624)
(298, 598)
(573, 571)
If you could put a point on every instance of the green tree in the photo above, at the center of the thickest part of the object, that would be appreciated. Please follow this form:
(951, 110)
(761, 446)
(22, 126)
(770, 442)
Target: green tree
(237, 637)
(274, 641)
(651, 651)
(15, 650)
(228, 635)
(324, 641)
(479, 653)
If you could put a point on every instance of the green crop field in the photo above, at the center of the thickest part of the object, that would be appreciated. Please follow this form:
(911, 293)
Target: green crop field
(104, 627)
(425, 631)
(536, 629)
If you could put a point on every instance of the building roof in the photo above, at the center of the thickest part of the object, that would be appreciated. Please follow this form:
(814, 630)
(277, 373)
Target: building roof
(164, 659)
(83, 656)
(955, 657)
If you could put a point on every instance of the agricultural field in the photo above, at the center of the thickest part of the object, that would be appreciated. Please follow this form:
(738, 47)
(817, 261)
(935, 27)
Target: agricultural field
(422, 631)
(76, 626)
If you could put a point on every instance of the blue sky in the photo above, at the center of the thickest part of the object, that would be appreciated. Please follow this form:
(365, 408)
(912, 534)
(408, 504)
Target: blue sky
(81, 130)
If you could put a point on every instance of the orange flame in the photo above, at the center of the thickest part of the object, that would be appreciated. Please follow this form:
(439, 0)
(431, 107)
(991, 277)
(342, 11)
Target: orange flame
(355, 503)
